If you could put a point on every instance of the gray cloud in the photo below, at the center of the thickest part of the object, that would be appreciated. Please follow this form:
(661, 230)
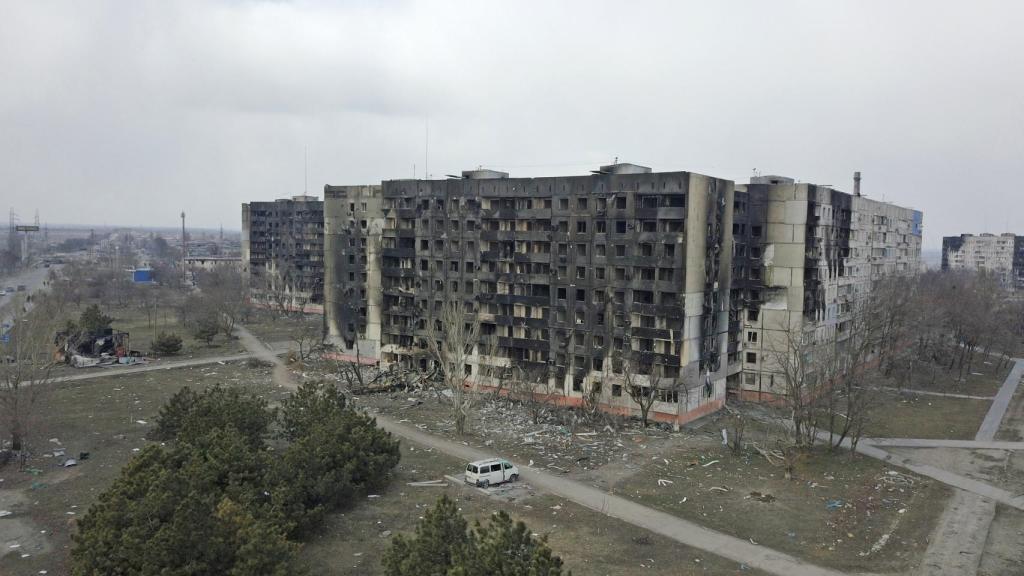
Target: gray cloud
(128, 112)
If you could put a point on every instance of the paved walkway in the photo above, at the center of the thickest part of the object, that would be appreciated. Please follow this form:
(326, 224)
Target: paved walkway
(943, 443)
(673, 527)
(994, 418)
(959, 539)
(944, 476)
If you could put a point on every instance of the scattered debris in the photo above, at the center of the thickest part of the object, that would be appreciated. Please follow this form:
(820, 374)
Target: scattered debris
(719, 488)
(762, 497)
(663, 482)
(437, 483)
(70, 462)
(709, 464)
(834, 504)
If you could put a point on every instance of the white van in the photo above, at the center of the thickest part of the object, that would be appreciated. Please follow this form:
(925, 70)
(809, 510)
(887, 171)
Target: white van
(494, 471)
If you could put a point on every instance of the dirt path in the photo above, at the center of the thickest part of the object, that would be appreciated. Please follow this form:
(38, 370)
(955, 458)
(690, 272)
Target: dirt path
(258, 349)
(636, 514)
(938, 443)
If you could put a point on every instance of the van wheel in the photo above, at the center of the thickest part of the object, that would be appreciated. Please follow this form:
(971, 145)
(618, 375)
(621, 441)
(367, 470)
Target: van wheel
(513, 478)
(485, 483)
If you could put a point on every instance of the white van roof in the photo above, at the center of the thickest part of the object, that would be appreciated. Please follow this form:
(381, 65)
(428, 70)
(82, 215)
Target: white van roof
(488, 461)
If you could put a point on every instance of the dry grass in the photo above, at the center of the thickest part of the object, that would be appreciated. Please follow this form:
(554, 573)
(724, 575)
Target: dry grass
(921, 416)
(99, 416)
(589, 543)
(745, 496)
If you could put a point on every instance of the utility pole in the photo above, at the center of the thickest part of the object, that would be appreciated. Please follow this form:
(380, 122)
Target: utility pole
(184, 250)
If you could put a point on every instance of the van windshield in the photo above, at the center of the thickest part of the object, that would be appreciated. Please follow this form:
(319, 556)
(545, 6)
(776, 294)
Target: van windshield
(471, 468)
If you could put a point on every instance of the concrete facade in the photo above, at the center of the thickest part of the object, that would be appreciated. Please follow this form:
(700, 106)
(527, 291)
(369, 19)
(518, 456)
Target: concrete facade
(820, 250)
(1002, 256)
(568, 276)
(353, 223)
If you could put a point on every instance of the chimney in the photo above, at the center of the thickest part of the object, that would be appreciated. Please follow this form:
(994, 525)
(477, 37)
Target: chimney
(856, 183)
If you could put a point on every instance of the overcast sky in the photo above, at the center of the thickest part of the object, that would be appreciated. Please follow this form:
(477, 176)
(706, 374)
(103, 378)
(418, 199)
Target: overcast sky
(129, 112)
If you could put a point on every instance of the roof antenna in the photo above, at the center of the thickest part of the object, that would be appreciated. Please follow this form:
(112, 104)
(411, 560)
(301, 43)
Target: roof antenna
(305, 171)
(616, 160)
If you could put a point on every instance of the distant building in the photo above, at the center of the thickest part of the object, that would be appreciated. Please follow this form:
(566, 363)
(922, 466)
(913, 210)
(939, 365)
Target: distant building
(209, 263)
(1002, 256)
(283, 251)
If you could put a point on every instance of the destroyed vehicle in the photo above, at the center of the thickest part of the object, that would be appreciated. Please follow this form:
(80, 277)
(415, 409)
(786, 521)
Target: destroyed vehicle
(484, 473)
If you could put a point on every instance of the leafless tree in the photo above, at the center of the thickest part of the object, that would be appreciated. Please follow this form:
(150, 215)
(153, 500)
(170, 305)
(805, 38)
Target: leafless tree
(26, 363)
(644, 395)
(800, 367)
(308, 339)
(531, 388)
(451, 340)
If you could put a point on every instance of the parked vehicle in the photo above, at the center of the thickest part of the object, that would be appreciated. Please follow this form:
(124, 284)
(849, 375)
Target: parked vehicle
(484, 473)
(21, 287)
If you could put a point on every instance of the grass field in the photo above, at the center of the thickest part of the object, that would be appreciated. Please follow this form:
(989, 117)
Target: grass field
(100, 416)
(109, 417)
(835, 511)
(922, 416)
(590, 543)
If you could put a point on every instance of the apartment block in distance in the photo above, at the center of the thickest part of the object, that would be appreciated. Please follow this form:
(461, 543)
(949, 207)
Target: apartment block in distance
(283, 251)
(805, 255)
(578, 278)
(1001, 255)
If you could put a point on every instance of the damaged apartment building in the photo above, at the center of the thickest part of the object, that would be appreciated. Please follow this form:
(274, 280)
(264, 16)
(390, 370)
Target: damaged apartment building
(283, 252)
(578, 281)
(805, 256)
(1001, 256)
(685, 283)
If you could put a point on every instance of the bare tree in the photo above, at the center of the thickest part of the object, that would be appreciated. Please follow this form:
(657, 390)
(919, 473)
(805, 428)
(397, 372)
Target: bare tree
(26, 363)
(451, 340)
(801, 375)
(308, 339)
(644, 395)
(531, 388)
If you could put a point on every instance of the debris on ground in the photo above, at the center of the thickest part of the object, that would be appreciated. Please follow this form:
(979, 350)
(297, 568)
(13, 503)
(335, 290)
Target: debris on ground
(834, 504)
(436, 483)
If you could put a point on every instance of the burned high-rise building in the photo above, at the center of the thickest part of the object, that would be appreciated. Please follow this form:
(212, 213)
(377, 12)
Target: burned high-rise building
(353, 222)
(683, 283)
(1001, 255)
(283, 252)
(806, 255)
(580, 278)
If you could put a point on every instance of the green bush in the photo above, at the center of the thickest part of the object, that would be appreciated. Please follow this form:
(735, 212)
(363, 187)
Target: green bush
(166, 344)
(217, 500)
(442, 545)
